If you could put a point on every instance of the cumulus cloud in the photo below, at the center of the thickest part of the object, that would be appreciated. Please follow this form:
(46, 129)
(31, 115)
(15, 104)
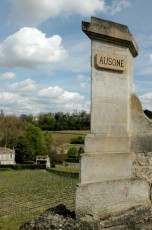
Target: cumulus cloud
(28, 97)
(7, 75)
(25, 86)
(60, 95)
(36, 11)
(146, 101)
(117, 6)
(29, 47)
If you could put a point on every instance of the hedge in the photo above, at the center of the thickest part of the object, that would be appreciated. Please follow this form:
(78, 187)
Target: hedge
(72, 160)
(24, 166)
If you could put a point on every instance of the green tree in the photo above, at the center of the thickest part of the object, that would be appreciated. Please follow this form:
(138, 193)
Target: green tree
(23, 151)
(36, 140)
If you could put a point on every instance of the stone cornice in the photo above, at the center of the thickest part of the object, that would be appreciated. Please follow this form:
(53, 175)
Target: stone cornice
(112, 32)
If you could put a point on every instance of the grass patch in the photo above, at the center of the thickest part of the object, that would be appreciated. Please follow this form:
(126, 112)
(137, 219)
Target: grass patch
(62, 168)
(65, 171)
(26, 193)
(62, 137)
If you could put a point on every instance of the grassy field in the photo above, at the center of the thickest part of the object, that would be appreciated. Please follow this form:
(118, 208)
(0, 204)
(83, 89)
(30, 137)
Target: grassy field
(62, 137)
(26, 193)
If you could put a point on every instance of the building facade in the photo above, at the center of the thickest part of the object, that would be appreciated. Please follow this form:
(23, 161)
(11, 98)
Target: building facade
(7, 156)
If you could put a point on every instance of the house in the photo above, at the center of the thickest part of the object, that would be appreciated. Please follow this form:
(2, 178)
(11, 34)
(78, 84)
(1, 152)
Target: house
(43, 160)
(7, 156)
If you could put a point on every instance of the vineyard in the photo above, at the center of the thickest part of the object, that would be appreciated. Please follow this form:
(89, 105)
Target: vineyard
(26, 193)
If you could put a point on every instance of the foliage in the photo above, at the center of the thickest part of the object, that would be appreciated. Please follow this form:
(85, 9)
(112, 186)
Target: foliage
(28, 162)
(148, 113)
(23, 166)
(72, 152)
(32, 143)
(63, 121)
(78, 140)
(27, 139)
(36, 140)
(11, 128)
(24, 134)
(73, 160)
(56, 158)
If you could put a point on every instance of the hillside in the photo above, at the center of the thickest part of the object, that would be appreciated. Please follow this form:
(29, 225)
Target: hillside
(62, 137)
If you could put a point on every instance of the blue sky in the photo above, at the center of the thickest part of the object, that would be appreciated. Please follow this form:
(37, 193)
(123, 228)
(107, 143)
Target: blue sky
(45, 57)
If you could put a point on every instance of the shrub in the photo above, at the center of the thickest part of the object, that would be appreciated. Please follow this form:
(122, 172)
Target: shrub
(72, 152)
(78, 140)
(72, 160)
(23, 166)
(29, 162)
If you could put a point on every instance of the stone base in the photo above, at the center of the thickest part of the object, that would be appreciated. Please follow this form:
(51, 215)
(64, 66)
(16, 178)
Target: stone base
(104, 199)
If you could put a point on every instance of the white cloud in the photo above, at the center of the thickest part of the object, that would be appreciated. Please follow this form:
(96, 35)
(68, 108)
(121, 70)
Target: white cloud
(60, 95)
(51, 92)
(117, 6)
(146, 101)
(87, 106)
(34, 12)
(71, 96)
(29, 47)
(25, 86)
(7, 75)
(28, 97)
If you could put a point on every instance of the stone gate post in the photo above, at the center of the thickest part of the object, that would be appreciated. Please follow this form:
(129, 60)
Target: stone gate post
(107, 183)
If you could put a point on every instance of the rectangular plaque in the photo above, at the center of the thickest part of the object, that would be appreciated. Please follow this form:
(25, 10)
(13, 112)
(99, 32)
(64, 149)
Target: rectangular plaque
(107, 61)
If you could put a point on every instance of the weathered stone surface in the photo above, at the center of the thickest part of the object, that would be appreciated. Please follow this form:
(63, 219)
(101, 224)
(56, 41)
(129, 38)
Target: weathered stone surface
(59, 218)
(130, 218)
(105, 167)
(105, 144)
(100, 200)
(110, 32)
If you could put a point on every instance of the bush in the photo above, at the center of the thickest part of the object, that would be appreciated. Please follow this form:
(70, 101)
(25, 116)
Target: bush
(29, 162)
(72, 160)
(78, 140)
(72, 152)
(23, 166)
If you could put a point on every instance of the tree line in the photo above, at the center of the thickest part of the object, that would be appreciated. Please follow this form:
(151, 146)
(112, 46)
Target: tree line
(60, 121)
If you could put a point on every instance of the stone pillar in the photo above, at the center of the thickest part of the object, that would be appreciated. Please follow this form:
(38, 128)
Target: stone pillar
(107, 184)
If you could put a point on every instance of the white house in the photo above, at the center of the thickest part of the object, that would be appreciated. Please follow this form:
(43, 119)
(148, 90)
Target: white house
(7, 156)
(43, 160)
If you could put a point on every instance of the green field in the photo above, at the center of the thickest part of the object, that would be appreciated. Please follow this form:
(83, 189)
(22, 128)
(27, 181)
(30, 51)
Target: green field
(62, 137)
(26, 193)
